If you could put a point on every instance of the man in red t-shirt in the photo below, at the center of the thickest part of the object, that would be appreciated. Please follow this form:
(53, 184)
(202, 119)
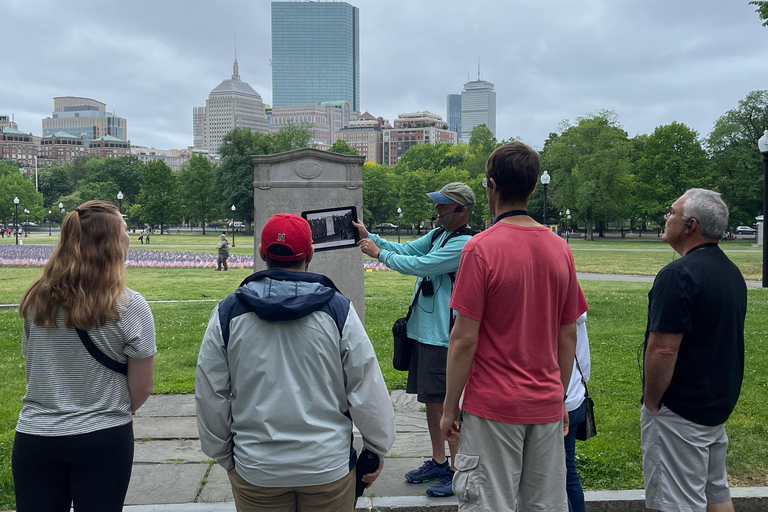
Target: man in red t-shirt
(511, 350)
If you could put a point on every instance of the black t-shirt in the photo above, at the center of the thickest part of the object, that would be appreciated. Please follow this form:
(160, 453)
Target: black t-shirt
(703, 296)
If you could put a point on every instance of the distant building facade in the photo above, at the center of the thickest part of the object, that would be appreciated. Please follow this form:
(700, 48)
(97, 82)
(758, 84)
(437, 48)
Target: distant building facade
(109, 147)
(453, 112)
(61, 147)
(478, 106)
(85, 118)
(366, 135)
(315, 53)
(413, 129)
(17, 146)
(7, 122)
(324, 119)
(232, 104)
(173, 158)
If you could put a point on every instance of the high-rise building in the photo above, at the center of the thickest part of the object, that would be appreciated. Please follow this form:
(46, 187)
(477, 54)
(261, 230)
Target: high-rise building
(85, 118)
(232, 104)
(478, 106)
(315, 53)
(366, 136)
(324, 119)
(412, 129)
(453, 112)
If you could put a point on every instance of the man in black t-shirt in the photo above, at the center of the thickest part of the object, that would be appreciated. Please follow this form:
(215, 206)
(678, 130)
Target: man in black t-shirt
(694, 361)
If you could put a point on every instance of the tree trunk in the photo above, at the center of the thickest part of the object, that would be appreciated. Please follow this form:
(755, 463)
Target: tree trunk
(161, 228)
(601, 229)
(589, 233)
(190, 227)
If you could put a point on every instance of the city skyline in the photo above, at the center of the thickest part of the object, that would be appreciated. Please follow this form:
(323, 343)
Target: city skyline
(548, 62)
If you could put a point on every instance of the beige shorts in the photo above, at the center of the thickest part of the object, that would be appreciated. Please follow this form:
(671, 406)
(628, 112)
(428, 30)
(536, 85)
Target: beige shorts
(501, 465)
(338, 496)
(683, 462)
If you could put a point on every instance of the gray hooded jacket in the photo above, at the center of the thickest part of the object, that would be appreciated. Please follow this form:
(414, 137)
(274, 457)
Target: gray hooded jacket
(284, 369)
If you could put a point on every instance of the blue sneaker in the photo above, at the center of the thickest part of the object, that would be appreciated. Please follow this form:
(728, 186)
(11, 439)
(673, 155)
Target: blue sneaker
(442, 488)
(428, 471)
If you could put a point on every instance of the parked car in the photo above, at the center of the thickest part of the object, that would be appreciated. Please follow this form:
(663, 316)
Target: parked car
(746, 230)
(386, 225)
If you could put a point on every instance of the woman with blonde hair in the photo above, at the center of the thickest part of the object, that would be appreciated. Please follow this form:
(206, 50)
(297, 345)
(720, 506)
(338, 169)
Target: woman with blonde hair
(89, 344)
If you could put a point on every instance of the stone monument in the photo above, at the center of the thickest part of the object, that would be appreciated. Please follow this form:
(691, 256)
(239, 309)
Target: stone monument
(312, 179)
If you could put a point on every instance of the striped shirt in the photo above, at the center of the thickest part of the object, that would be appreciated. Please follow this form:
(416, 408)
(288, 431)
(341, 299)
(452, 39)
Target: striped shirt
(68, 391)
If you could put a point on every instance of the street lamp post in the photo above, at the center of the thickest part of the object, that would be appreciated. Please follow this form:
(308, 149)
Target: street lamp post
(16, 219)
(50, 223)
(567, 225)
(399, 220)
(233, 225)
(545, 179)
(120, 201)
(26, 222)
(762, 144)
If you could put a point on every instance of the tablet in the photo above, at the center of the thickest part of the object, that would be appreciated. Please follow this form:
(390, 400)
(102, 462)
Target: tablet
(332, 227)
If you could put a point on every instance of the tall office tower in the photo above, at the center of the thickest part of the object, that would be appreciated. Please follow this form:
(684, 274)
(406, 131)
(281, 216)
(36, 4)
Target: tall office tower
(478, 106)
(84, 117)
(453, 112)
(315, 53)
(232, 104)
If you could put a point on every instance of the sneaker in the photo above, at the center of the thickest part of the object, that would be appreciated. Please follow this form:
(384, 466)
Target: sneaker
(443, 488)
(428, 471)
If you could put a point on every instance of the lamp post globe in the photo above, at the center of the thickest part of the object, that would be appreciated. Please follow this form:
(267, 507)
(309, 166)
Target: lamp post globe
(26, 222)
(545, 179)
(762, 145)
(16, 219)
(233, 225)
(50, 223)
(120, 201)
(567, 225)
(399, 217)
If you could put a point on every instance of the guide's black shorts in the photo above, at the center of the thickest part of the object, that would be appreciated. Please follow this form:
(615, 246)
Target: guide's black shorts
(426, 374)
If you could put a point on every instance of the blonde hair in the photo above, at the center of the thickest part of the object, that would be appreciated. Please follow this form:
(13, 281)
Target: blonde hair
(86, 272)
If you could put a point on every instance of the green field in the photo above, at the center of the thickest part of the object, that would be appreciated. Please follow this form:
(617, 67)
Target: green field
(616, 325)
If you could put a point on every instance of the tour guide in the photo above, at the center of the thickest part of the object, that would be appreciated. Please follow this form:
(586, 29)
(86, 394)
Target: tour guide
(434, 259)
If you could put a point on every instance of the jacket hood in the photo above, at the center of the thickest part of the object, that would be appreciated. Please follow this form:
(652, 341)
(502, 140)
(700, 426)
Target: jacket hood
(281, 295)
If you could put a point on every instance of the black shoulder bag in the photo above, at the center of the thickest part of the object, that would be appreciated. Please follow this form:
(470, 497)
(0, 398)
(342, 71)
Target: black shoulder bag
(401, 359)
(100, 356)
(587, 428)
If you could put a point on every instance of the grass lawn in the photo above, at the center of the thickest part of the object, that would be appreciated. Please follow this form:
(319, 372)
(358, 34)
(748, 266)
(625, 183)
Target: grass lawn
(616, 325)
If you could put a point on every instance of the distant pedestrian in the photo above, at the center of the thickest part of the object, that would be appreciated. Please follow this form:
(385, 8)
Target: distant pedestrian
(223, 247)
(89, 345)
(694, 361)
(141, 238)
(148, 233)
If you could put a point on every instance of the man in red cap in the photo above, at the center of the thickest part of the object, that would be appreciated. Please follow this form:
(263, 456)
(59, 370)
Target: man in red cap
(284, 369)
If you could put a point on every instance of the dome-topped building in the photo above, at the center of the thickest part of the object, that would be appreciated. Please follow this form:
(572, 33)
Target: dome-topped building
(231, 104)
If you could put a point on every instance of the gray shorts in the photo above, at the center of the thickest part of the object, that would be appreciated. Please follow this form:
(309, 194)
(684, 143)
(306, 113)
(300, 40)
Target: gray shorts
(683, 462)
(504, 467)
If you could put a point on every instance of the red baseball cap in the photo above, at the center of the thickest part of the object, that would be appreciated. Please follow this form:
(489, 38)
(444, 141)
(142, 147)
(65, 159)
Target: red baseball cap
(290, 231)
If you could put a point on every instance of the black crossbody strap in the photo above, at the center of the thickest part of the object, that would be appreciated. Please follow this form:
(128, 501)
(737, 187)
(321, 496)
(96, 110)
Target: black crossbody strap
(100, 356)
(413, 302)
(583, 382)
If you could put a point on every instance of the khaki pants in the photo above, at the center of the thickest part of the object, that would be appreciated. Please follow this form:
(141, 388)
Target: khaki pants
(338, 496)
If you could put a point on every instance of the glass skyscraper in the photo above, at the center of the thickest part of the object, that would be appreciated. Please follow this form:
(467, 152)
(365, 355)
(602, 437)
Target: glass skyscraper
(315, 53)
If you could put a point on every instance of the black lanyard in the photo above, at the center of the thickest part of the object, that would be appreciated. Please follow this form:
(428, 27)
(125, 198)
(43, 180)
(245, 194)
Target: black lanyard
(511, 213)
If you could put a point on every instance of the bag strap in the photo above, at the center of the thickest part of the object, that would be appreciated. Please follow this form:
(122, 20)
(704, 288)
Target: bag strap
(413, 302)
(583, 382)
(100, 356)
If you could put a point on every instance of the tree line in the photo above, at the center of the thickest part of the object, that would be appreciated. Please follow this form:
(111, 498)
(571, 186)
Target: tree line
(597, 172)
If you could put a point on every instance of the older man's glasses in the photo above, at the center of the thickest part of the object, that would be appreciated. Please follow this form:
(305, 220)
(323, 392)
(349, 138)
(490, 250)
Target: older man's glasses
(669, 212)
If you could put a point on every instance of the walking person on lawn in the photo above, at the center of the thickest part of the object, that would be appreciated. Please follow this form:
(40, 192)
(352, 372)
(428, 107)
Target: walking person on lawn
(434, 259)
(223, 255)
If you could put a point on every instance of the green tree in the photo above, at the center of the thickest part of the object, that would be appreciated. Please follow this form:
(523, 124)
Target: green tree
(13, 184)
(196, 180)
(431, 157)
(762, 10)
(590, 168)
(481, 144)
(416, 206)
(672, 161)
(53, 182)
(124, 172)
(380, 198)
(341, 146)
(732, 146)
(159, 194)
(292, 136)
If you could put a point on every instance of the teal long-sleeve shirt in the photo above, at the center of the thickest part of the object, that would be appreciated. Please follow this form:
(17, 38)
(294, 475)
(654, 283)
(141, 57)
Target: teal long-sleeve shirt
(430, 320)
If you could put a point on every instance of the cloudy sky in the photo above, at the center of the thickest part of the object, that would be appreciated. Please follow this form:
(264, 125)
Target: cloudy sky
(652, 61)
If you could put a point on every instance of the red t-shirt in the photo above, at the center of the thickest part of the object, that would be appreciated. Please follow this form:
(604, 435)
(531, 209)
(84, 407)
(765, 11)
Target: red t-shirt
(520, 284)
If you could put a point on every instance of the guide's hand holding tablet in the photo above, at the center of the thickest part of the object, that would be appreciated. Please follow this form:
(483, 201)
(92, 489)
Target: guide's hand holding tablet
(332, 227)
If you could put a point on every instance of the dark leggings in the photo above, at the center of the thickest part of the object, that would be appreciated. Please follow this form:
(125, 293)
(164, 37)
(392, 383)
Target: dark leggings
(90, 470)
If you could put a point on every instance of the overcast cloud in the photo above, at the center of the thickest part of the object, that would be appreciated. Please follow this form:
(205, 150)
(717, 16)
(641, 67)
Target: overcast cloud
(651, 61)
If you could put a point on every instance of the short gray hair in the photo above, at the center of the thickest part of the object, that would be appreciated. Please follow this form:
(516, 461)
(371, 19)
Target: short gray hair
(708, 209)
